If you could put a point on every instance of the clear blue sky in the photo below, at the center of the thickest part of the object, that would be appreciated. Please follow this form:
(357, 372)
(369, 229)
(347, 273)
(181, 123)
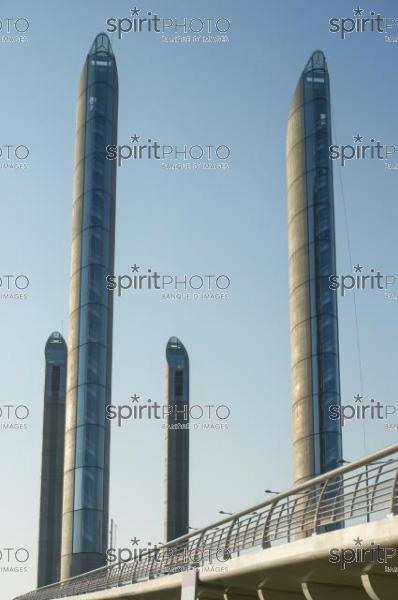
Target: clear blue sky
(230, 222)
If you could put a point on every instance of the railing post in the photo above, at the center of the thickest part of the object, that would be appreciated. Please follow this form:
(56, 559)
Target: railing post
(198, 548)
(228, 537)
(290, 517)
(120, 574)
(151, 565)
(109, 575)
(266, 542)
(394, 499)
(319, 502)
(367, 494)
(133, 570)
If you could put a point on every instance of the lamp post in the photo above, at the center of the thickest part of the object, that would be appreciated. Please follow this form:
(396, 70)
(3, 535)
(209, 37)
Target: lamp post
(112, 533)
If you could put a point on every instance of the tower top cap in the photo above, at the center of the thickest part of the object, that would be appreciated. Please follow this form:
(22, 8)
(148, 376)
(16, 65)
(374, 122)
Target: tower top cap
(101, 45)
(55, 343)
(317, 61)
(175, 345)
(56, 337)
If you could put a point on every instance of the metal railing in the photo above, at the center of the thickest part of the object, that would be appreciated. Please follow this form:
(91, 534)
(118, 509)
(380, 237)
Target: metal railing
(364, 490)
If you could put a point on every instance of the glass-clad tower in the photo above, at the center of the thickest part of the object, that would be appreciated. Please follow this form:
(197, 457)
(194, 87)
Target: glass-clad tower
(87, 435)
(312, 259)
(52, 461)
(176, 442)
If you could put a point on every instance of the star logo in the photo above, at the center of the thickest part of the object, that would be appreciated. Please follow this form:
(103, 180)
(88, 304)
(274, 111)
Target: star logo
(135, 269)
(358, 398)
(358, 541)
(358, 11)
(358, 138)
(135, 11)
(135, 138)
(135, 541)
(135, 398)
(358, 268)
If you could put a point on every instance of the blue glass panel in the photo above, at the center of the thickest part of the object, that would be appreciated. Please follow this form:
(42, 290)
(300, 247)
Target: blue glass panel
(90, 441)
(89, 488)
(98, 173)
(96, 209)
(92, 364)
(100, 99)
(93, 285)
(95, 247)
(328, 370)
(100, 69)
(324, 221)
(331, 451)
(87, 531)
(98, 136)
(328, 401)
(91, 401)
(93, 323)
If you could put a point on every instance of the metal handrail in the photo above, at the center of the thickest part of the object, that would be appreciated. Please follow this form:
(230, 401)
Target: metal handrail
(329, 501)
